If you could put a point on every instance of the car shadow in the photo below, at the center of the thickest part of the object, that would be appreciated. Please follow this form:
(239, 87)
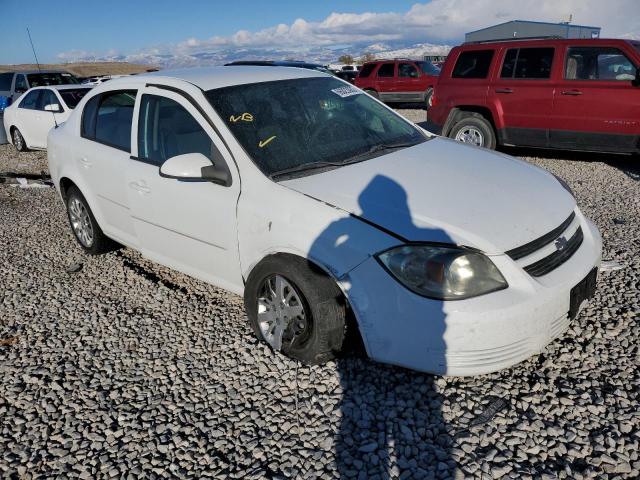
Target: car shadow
(628, 164)
(390, 418)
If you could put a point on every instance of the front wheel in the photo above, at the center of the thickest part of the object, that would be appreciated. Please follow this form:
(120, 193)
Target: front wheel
(18, 141)
(474, 130)
(296, 308)
(427, 97)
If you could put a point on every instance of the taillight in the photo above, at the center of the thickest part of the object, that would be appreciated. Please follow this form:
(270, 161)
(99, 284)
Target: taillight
(432, 99)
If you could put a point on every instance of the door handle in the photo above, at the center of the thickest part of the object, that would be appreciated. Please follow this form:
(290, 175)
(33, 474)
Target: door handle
(139, 187)
(504, 90)
(571, 92)
(84, 162)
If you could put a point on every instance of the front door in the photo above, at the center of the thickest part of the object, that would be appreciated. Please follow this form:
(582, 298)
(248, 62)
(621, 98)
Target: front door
(523, 92)
(187, 225)
(44, 120)
(386, 81)
(596, 106)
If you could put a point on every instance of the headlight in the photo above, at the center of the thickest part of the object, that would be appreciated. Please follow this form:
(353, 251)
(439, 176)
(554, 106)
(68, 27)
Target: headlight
(565, 185)
(442, 272)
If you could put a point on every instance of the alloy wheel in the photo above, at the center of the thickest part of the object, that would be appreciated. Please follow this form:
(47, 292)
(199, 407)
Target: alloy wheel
(18, 142)
(81, 222)
(470, 135)
(282, 316)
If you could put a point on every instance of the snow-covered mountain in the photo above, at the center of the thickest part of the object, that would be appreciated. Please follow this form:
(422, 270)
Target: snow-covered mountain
(323, 55)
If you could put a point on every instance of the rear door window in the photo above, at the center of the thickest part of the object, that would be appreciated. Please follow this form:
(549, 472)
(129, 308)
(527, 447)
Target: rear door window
(47, 97)
(107, 119)
(473, 64)
(527, 63)
(598, 63)
(21, 84)
(30, 101)
(407, 70)
(386, 70)
(166, 129)
(366, 70)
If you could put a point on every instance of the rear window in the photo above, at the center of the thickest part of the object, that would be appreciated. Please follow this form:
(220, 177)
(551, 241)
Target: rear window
(386, 70)
(532, 63)
(366, 70)
(473, 64)
(54, 78)
(73, 96)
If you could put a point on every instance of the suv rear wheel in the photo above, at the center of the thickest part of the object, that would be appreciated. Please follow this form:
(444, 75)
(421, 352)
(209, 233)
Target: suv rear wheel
(474, 130)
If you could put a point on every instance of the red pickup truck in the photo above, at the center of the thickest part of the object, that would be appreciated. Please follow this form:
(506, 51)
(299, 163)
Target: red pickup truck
(581, 94)
(398, 80)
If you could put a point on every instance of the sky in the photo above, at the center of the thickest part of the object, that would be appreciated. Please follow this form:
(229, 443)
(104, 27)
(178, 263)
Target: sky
(138, 29)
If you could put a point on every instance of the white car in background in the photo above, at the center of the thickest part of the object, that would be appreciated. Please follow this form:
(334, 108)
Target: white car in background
(28, 120)
(322, 206)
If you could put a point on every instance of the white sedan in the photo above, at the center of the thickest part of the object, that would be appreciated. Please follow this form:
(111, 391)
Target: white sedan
(328, 212)
(28, 120)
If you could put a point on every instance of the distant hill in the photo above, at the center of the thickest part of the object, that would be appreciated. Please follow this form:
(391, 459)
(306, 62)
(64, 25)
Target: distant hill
(85, 69)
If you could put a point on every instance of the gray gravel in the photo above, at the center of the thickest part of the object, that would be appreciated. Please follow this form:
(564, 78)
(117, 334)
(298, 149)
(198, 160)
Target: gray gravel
(114, 367)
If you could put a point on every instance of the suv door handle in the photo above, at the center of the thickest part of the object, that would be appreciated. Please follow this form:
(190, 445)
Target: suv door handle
(571, 92)
(139, 187)
(504, 90)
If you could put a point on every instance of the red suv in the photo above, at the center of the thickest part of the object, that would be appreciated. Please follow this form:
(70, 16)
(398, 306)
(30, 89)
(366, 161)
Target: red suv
(549, 93)
(398, 80)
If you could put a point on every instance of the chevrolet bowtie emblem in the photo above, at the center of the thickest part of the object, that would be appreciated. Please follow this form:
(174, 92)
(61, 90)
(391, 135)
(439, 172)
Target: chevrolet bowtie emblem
(561, 243)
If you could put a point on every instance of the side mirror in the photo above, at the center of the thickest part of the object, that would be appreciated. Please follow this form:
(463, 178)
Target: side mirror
(53, 107)
(195, 166)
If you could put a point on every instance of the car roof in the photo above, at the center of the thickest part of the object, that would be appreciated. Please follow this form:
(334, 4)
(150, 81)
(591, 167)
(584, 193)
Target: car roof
(29, 72)
(73, 86)
(209, 78)
(517, 42)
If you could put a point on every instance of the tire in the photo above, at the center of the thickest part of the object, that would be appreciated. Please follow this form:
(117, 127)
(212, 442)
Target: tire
(373, 93)
(324, 323)
(427, 97)
(18, 140)
(84, 225)
(476, 130)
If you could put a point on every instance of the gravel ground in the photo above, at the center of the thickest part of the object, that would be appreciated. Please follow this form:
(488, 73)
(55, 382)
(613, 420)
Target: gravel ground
(125, 369)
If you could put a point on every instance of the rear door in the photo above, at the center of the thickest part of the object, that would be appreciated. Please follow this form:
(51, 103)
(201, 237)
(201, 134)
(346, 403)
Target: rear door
(596, 107)
(410, 85)
(523, 93)
(386, 81)
(25, 117)
(102, 155)
(187, 225)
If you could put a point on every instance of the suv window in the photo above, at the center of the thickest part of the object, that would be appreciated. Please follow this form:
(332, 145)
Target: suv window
(407, 70)
(429, 68)
(21, 83)
(598, 63)
(47, 97)
(166, 129)
(367, 69)
(386, 70)
(30, 101)
(473, 64)
(107, 118)
(527, 63)
(5, 81)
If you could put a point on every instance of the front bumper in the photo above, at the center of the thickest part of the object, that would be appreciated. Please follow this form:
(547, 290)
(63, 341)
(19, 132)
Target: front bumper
(474, 336)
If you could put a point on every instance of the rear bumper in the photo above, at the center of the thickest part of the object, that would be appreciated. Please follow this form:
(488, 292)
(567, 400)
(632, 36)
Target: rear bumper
(474, 336)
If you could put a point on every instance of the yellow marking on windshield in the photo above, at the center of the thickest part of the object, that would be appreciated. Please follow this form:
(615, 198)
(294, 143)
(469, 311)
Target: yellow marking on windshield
(266, 142)
(245, 117)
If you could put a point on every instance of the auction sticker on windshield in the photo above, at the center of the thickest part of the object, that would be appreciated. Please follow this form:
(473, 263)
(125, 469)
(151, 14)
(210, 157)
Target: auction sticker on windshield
(346, 91)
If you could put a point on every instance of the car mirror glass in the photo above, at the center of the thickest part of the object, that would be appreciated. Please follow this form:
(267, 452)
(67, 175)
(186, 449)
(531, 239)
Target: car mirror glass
(53, 107)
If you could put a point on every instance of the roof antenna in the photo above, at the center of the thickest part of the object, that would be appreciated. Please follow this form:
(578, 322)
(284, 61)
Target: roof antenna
(33, 48)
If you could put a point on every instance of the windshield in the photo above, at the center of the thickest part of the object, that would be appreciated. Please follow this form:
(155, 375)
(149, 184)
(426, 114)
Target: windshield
(429, 68)
(290, 124)
(52, 78)
(73, 96)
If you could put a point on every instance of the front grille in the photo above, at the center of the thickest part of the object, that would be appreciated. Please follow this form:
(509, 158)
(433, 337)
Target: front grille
(538, 243)
(557, 258)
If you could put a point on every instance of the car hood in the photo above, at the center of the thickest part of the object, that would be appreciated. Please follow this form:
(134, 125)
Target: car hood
(444, 191)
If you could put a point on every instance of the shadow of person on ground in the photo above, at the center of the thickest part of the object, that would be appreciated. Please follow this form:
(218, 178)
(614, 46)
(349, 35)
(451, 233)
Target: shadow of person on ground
(391, 418)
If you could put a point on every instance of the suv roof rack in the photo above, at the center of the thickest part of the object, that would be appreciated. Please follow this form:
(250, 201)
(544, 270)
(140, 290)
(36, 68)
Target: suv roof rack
(515, 39)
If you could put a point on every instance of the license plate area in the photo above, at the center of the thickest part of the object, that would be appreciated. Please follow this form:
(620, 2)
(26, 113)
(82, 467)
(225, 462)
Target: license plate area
(582, 292)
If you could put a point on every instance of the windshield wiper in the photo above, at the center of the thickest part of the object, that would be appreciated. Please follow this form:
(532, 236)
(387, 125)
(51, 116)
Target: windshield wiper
(303, 167)
(377, 148)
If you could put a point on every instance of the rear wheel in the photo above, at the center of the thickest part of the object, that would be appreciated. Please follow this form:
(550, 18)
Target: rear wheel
(474, 130)
(296, 308)
(84, 225)
(18, 140)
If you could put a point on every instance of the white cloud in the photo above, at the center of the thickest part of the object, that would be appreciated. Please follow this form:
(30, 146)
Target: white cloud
(443, 21)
